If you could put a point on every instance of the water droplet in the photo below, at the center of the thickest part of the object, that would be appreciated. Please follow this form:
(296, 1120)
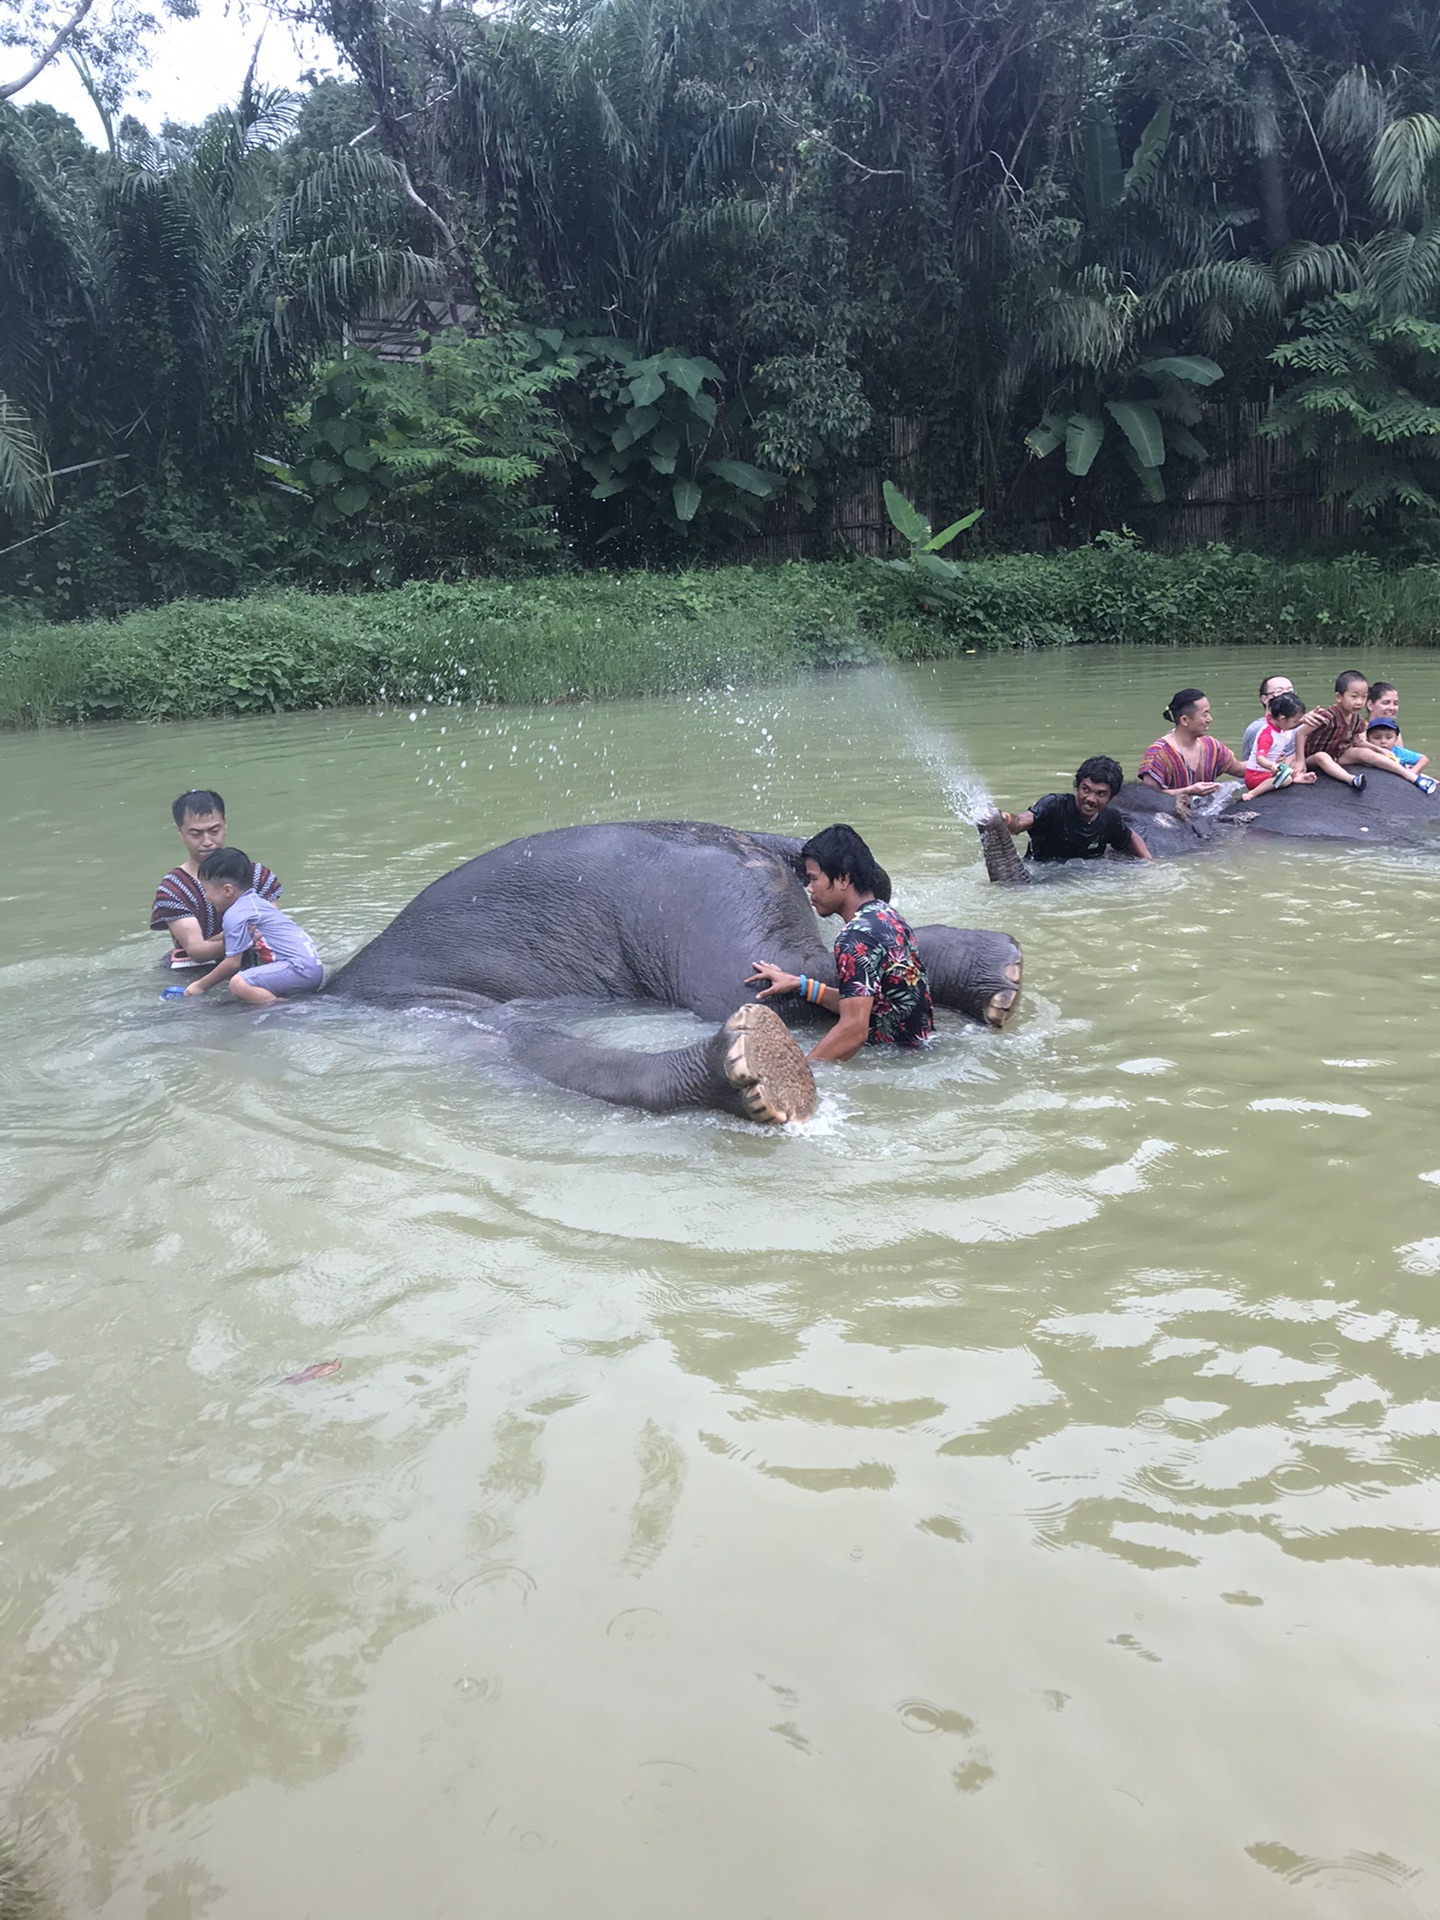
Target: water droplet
(1297, 1477)
(922, 1716)
(493, 1583)
(637, 1625)
(371, 1580)
(475, 1689)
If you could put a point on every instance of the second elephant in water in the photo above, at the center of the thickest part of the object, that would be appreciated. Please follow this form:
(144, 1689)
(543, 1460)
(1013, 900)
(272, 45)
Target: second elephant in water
(667, 912)
(1390, 812)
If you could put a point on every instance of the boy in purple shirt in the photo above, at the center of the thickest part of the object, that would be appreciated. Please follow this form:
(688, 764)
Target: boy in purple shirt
(247, 921)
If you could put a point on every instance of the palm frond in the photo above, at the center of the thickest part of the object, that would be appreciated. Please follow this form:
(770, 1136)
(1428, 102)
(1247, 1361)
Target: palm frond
(1229, 287)
(25, 485)
(1405, 268)
(1356, 111)
(1400, 163)
(1307, 271)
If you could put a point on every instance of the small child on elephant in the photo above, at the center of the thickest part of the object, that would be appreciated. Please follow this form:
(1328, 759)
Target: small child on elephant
(289, 963)
(1270, 763)
(1383, 735)
(1383, 700)
(1332, 739)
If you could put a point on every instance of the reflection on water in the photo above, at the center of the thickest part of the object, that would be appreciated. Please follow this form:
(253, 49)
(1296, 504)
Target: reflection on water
(1019, 1478)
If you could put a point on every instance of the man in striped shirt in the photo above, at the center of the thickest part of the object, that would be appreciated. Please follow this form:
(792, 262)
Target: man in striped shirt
(180, 907)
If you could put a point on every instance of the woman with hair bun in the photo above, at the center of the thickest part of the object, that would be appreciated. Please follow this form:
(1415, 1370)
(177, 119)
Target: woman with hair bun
(1186, 760)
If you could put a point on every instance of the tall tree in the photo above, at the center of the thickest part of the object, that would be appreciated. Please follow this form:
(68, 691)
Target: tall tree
(108, 35)
(161, 314)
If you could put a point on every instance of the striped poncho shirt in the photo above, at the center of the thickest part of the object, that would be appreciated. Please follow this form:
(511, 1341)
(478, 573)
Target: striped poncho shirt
(1161, 763)
(180, 896)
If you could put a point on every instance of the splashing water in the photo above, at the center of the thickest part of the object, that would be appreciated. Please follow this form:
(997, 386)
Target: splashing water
(965, 791)
(1209, 804)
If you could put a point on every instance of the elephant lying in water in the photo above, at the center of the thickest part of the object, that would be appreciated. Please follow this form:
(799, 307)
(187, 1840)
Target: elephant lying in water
(1390, 812)
(670, 912)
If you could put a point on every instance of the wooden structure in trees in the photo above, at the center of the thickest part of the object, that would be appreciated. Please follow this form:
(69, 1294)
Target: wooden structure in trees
(397, 333)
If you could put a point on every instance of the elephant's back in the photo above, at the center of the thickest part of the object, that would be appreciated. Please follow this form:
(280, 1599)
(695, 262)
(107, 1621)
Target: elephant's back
(608, 910)
(1388, 812)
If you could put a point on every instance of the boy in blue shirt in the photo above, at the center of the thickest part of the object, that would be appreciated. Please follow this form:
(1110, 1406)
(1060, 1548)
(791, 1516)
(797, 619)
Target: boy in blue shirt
(227, 878)
(1383, 700)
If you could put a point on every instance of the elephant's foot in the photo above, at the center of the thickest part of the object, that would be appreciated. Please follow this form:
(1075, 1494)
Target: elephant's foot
(1003, 1002)
(762, 1062)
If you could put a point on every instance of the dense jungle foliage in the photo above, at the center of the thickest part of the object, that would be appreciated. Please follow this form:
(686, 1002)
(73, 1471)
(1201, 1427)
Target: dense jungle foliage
(596, 634)
(705, 255)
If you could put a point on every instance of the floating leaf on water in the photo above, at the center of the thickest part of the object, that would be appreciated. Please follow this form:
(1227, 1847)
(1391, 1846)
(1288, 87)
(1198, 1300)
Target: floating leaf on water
(321, 1370)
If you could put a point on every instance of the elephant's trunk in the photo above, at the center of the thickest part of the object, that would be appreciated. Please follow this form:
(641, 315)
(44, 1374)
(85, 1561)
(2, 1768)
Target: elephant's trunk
(750, 1066)
(975, 971)
(1002, 862)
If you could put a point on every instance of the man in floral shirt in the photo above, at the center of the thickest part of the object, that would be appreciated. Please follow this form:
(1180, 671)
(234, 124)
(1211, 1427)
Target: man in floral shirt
(883, 997)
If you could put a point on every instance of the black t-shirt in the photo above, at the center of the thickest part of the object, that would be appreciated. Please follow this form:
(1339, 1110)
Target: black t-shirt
(1060, 833)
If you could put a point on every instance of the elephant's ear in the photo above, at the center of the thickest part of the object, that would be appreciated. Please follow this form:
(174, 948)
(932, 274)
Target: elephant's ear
(884, 891)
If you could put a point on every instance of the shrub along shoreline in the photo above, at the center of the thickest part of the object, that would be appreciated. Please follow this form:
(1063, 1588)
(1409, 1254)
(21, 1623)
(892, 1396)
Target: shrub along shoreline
(591, 636)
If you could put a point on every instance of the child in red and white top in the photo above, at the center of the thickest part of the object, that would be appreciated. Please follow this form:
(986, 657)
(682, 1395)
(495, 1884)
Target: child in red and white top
(1270, 764)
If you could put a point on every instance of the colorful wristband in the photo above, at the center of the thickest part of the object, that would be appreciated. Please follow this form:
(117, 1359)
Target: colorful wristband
(810, 989)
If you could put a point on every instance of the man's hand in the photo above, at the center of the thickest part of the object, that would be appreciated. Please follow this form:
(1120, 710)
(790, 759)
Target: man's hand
(779, 981)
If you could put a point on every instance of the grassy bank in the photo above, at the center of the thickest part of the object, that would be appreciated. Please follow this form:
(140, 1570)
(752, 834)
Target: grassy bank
(587, 636)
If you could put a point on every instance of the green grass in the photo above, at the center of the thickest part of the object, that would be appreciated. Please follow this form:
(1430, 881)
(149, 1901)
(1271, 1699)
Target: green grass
(587, 636)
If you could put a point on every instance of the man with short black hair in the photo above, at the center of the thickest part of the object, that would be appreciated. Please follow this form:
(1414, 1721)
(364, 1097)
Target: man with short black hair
(1082, 825)
(180, 907)
(883, 998)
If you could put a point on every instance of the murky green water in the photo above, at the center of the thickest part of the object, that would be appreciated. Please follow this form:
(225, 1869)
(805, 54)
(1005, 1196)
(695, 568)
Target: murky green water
(1015, 1493)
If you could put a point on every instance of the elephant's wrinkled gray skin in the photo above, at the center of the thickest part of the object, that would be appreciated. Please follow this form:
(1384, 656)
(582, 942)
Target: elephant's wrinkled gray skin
(1389, 813)
(671, 912)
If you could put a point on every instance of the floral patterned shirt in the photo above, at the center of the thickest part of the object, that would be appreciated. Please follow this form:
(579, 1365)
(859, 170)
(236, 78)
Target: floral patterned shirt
(875, 955)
